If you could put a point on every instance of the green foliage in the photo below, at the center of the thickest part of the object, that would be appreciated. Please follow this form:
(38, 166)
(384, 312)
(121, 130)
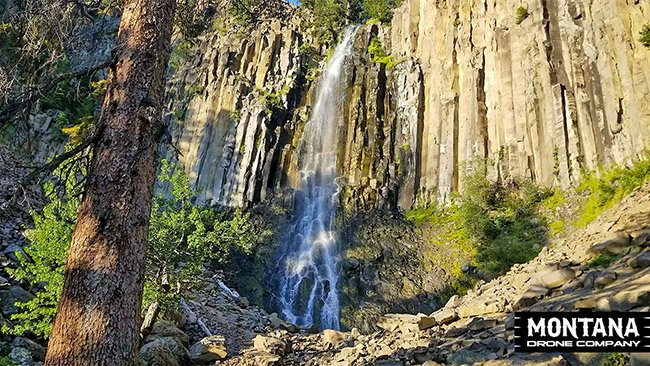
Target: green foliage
(617, 359)
(604, 260)
(5, 361)
(378, 11)
(180, 53)
(645, 36)
(377, 53)
(330, 16)
(503, 222)
(245, 11)
(183, 237)
(490, 225)
(522, 14)
(45, 259)
(612, 185)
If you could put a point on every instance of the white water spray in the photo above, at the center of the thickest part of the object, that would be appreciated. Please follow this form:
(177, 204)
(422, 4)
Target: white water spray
(309, 264)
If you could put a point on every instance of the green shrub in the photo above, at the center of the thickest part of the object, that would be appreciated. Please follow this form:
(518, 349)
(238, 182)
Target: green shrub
(377, 53)
(5, 361)
(604, 260)
(493, 224)
(617, 359)
(645, 36)
(612, 186)
(378, 11)
(182, 238)
(180, 53)
(522, 14)
(46, 257)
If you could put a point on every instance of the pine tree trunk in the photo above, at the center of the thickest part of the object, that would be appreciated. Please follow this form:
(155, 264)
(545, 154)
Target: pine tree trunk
(97, 318)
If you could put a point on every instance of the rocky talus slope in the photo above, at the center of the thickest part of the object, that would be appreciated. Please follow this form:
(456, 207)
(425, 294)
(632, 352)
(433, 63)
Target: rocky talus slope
(477, 329)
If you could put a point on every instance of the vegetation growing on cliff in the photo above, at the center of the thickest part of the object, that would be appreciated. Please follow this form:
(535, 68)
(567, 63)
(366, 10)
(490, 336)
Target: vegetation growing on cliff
(522, 14)
(490, 225)
(604, 189)
(645, 35)
(377, 53)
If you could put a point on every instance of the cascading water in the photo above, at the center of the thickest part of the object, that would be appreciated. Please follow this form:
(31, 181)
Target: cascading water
(309, 272)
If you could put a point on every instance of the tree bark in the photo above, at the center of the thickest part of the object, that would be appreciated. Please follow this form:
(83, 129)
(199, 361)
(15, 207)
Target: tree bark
(97, 318)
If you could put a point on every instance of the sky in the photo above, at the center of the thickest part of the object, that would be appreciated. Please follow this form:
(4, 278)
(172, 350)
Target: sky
(293, 1)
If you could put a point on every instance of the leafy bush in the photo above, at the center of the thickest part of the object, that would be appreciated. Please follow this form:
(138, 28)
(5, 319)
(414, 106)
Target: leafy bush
(490, 224)
(5, 361)
(330, 17)
(503, 222)
(378, 54)
(604, 260)
(182, 238)
(180, 53)
(45, 261)
(617, 359)
(378, 10)
(522, 14)
(612, 185)
(645, 35)
(245, 11)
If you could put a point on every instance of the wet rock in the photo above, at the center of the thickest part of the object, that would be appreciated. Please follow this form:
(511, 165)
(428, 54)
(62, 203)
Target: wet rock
(22, 356)
(558, 278)
(209, 349)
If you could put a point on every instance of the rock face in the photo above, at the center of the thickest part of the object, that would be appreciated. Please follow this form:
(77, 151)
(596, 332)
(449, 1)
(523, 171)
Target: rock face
(563, 90)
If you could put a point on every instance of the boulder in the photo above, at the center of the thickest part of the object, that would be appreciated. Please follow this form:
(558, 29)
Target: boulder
(558, 278)
(613, 243)
(478, 324)
(445, 315)
(605, 278)
(332, 336)
(640, 261)
(9, 298)
(270, 345)
(530, 297)
(165, 328)
(405, 322)
(453, 302)
(261, 358)
(209, 349)
(36, 350)
(163, 351)
(479, 308)
(21, 356)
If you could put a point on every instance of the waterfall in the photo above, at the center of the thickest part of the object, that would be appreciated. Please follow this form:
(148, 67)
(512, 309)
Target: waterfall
(309, 262)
